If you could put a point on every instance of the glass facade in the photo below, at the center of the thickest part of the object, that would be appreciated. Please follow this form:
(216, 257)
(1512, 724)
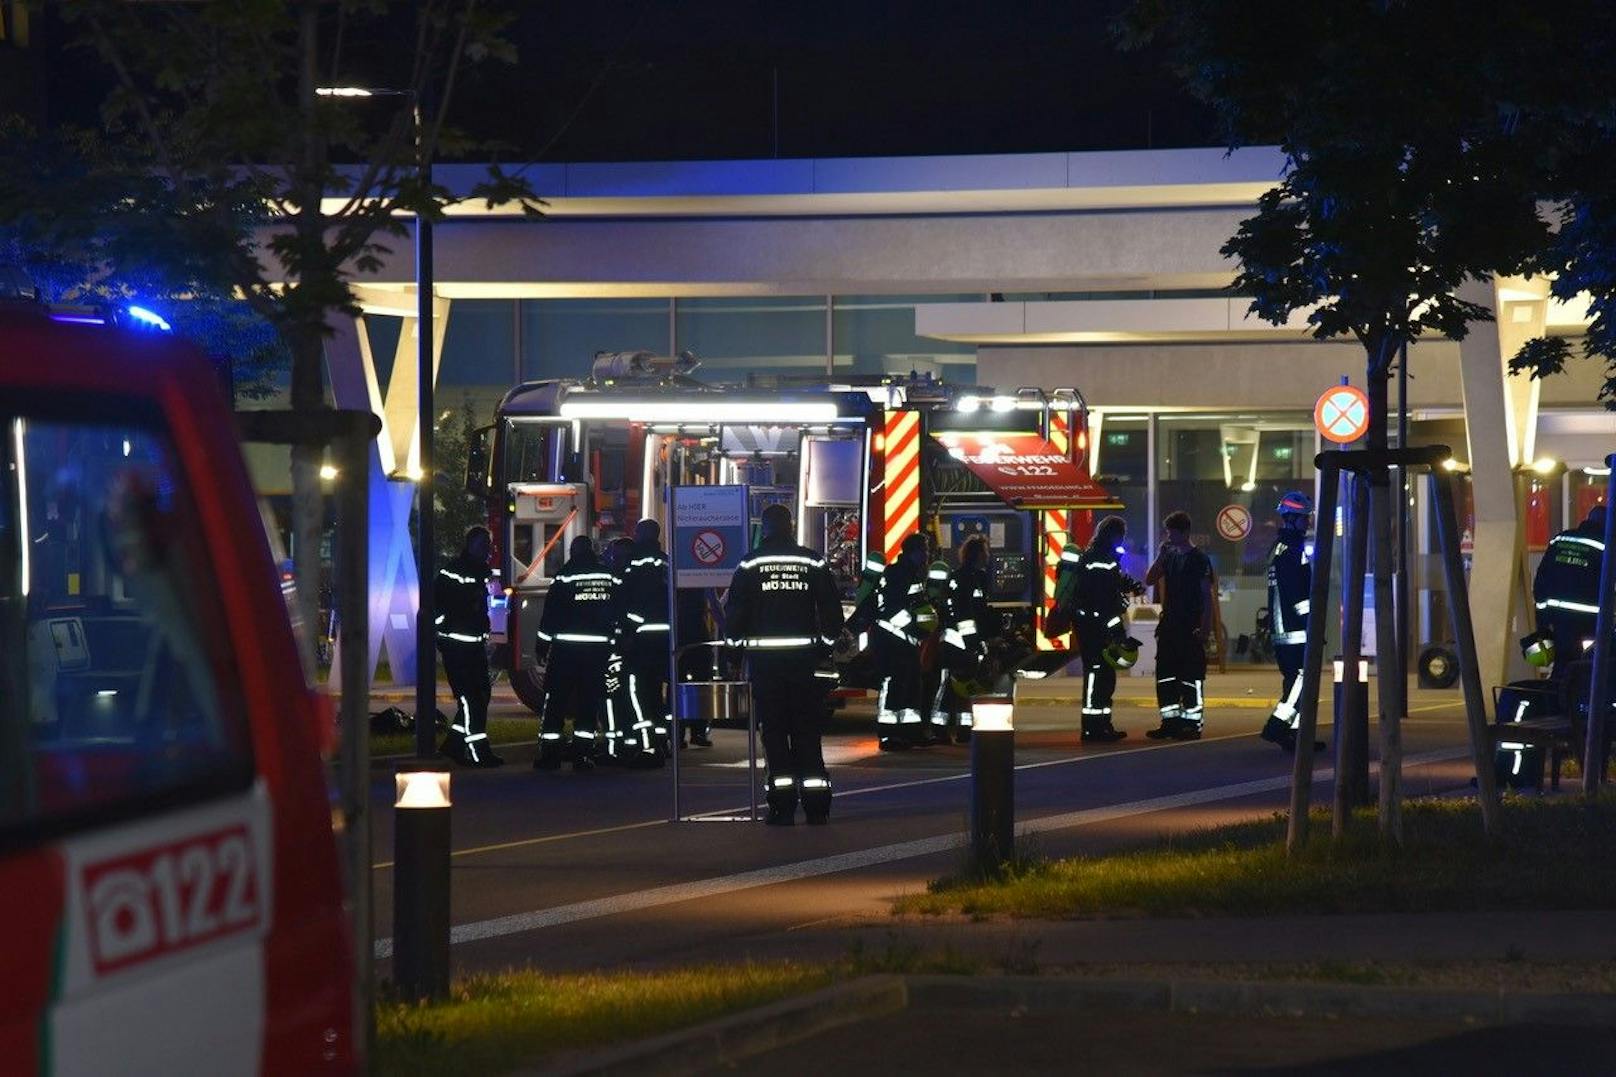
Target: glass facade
(1228, 471)
(1120, 461)
(561, 336)
(753, 338)
(875, 334)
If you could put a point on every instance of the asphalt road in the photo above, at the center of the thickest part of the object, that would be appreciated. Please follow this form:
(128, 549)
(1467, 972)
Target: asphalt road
(564, 870)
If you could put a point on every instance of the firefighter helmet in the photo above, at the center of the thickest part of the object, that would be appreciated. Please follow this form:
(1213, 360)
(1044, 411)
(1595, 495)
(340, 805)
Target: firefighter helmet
(1538, 649)
(1295, 503)
(1122, 654)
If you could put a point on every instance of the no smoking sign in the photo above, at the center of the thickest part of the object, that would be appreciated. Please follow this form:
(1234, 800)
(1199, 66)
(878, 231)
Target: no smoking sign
(1342, 414)
(1234, 523)
(708, 547)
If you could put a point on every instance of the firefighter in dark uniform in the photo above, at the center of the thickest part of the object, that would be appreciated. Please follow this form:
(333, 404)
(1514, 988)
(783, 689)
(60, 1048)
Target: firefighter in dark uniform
(460, 595)
(1184, 575)
(900, 600)
(1099, 602)
(1566, 591)
(783, 607)
(1290, 587)
(968, 623)
(575, 640)
(643, 600)
(618, 711)
(933, 666)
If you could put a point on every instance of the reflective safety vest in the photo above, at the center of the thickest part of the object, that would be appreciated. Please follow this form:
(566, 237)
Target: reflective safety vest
(1290, 587)
(783, 599)
(581, 605)
(643, 596)
(1566, 587)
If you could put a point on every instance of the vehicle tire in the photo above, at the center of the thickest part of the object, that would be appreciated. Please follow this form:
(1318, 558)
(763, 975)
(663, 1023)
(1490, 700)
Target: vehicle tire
(1439, 666)
(528, 688)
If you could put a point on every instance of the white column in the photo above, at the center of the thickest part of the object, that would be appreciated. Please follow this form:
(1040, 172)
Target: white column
(1501, 427)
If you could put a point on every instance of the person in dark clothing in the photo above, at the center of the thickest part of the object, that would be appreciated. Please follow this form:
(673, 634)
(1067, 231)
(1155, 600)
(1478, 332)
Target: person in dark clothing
(1184, 575)
(1099, 603)
(460, 595)
(899, 602)
(968, 624)
(574, 639)
(1565, 591)
(618, 711)
(644, 602)
(784, 609)
(1290, 587)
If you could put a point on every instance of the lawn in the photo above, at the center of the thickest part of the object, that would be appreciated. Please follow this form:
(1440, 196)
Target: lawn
(500, 731)
(495, 1022)
(1550, 853)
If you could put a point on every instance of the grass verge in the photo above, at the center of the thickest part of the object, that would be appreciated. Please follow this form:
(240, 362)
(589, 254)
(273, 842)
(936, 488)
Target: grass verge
(495, 1022)
(1554, 853)
(500, 731)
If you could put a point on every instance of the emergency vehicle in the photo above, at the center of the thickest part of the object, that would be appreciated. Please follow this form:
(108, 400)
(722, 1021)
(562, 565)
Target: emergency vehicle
(169, 876)
(861, 463)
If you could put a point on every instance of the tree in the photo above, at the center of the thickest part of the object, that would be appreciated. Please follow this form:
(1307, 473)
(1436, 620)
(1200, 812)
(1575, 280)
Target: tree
(457, 510)
(230, 162)
(1405, 178)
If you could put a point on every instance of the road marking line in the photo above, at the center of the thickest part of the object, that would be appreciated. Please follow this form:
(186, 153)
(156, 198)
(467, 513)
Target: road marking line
(518, 923)
(522, 842)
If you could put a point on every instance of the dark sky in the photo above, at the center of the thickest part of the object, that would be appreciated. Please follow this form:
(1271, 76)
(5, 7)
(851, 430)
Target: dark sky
(602, 80)
(626, 79)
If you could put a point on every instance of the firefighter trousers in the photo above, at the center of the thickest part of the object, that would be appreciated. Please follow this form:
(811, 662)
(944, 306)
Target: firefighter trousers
(1180, 675)
(1288, 709)
(790, 702)
(574, 687)
(1099, 679)
(897, 663)
(466, 665)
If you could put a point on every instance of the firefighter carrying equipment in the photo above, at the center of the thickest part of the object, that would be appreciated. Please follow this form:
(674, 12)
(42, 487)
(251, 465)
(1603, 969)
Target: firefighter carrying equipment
(1566, 590)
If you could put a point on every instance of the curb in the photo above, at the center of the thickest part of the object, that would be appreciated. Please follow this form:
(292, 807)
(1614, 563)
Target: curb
(1268, 998)
(728, 1040)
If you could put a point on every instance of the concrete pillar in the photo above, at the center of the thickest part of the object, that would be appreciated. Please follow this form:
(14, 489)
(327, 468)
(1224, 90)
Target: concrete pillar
(1501, 427)
(393, 585)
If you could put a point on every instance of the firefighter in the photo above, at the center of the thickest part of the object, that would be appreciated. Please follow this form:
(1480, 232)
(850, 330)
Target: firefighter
(1185, 578)
(933, 675)
(1099, 602)
(574, 640)
(900, 600)
(1566, 593)
(460, 595)
(1290, 585)
(618, 709)
(783, 607)
(644, 604)
(968, 623)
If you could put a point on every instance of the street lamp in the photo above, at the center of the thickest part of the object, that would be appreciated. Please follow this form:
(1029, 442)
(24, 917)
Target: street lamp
(426, 665)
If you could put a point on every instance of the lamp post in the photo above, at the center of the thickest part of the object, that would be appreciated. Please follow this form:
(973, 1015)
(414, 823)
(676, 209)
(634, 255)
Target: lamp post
(426, 663)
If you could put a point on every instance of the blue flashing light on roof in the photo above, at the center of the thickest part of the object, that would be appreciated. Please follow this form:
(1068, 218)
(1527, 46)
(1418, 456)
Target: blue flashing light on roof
(149, 319)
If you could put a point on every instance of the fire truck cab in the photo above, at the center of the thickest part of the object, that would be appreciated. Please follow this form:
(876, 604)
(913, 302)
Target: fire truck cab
(169, 876)
(862, 464)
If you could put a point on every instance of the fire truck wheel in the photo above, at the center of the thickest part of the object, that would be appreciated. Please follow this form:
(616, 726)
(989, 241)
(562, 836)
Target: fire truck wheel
(528, 688)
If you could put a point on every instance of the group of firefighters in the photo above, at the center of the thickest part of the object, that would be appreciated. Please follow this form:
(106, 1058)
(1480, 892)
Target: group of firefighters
(604, 635)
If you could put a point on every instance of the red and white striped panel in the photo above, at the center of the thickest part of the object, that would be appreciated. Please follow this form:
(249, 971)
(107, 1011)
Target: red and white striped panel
(902, 500)
(1056, 527)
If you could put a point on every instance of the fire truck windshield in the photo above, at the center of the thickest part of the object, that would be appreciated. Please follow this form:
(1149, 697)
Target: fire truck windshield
(527, 452)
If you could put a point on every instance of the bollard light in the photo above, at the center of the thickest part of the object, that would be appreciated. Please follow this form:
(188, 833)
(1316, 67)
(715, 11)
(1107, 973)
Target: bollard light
(993, 778)
(421, 811)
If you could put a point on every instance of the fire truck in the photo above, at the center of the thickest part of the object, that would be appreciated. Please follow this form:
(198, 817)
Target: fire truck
(169, 875)
(861, 463)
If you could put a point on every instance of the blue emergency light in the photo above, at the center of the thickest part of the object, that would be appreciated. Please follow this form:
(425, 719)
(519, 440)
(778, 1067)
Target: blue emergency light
(149, 319)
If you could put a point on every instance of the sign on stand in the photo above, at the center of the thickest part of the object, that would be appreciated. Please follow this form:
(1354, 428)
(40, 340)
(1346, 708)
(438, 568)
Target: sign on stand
(709, 534)
(1341, 415)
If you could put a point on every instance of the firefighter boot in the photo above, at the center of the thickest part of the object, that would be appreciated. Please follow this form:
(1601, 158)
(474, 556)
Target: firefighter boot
(1097, 729)
(1276, 731)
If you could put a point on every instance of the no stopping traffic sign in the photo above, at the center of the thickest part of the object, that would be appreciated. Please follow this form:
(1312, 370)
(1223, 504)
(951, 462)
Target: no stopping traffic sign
(1342, 414)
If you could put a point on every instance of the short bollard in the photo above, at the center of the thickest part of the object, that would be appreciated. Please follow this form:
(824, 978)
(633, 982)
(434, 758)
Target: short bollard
(1352, 755)
(993, 782)
(421, 882)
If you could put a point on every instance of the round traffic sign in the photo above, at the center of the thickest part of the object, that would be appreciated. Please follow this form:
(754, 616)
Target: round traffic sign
(708, 547)
(1234, 522)
(1342, 414)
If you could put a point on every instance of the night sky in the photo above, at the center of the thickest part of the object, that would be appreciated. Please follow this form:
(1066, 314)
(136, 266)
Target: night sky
(652, 80)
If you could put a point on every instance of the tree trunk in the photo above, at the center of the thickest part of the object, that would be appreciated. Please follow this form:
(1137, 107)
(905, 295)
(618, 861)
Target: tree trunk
(308, 500)
(1391, 680)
